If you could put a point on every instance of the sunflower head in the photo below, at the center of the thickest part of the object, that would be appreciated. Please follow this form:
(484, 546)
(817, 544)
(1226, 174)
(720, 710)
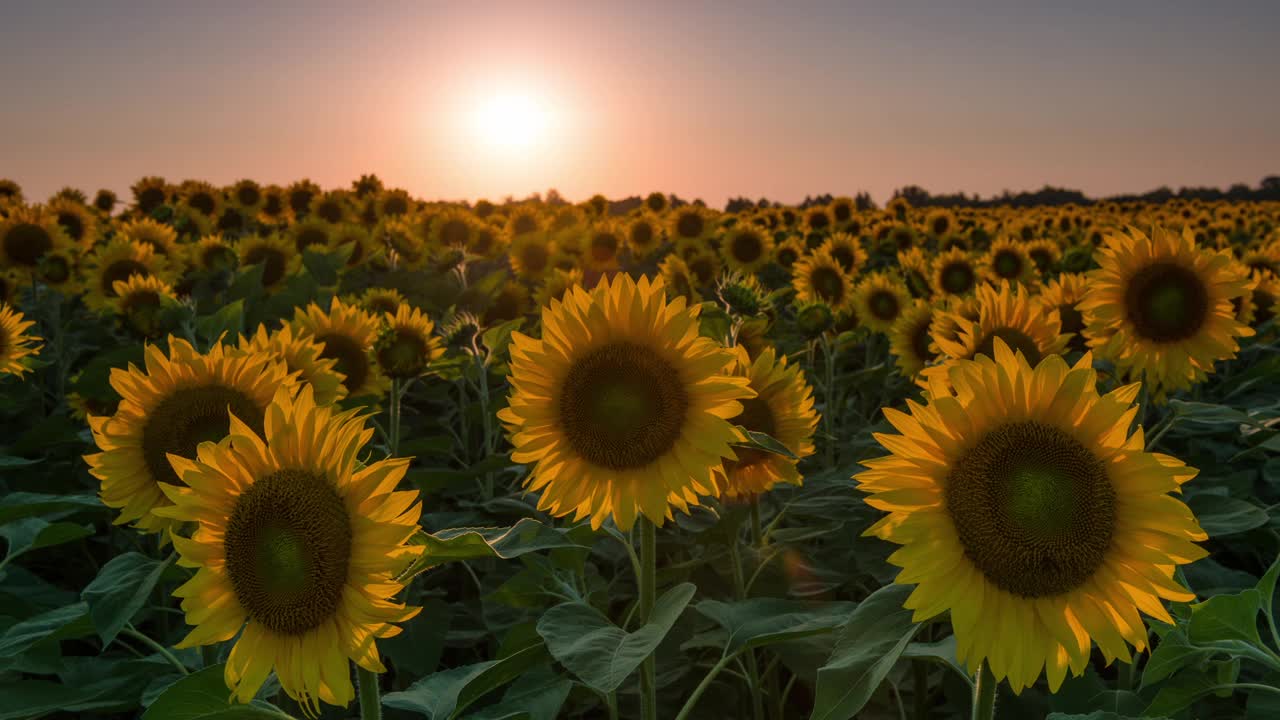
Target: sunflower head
(117, 260)
(603, 243)
(16, 343)
(297, 547)
(742, 295)
(510, 302)
(160, 237)
(530, 255)
(141, 303)
(690, 224)
(814, 318)
(911, 338)
(679, 279)
(274, 253)
(879, 300)
(954, 273)
(1008, 260)
(27, 235)
(348, 334)
(406, 343)
(643, 236)
(846, 250)
(747, 248)
(150, 193)
(819, 277)
(656, 202)
(1026, 508)
(302, 355)
(622, 407)
(314, 233)
(105, 201)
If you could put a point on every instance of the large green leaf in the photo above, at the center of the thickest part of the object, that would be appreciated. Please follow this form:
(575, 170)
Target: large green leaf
(204, 696)
(1180, 692)
(1172, 654)
(447, 693)
(1221, 515)
(870, 643)
(120, 590)
(33, 533)
(69, 621)
(536, 695)
(1226, 617)
(764, 621)
(526, 536)
(1098, 715)
(599, 653)
(17, 505)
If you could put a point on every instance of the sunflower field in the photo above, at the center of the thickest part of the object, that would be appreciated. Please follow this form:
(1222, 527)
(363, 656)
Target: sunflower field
(295, 452)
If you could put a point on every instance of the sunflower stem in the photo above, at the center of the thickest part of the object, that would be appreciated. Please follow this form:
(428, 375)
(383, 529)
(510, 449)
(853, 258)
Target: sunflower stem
(984, 694)
(646, 582)
(209, 655)
(133, 632)
(393, 431)
(370, 701)
(753, 669)
(757, 533)
(920, 689)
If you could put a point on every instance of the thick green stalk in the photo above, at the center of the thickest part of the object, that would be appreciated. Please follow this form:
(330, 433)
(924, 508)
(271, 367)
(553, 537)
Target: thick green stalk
(393, 432)
(984, 694)
(370, 700)
(647, 582)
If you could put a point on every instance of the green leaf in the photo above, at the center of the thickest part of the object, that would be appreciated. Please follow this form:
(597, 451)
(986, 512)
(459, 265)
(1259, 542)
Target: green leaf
(871, 642)
(1226, 617)
(17, 505)
(323, 266)
(766, 443)
(1098, 715)
(227, 323)
(418, 648)
(64, 622)
(1221, 515)
(599, 653)
(33, 533)
(525, 536)
(29, 698)
(9, 461)
(764, 621)
(447, 693)
(942, 652)
(204, 696)
(1180, 692)
(120, 590)
(537, 695)
(1172, 654)
(1267, 590)
(497, 338)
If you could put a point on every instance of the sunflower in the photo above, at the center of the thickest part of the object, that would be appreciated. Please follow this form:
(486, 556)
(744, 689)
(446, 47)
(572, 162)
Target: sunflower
(1264, 258)
(299, 195)
(159, 236)
(879, 300)
(902, 237)
(747, 248)
(1266, 294)
(557, 283)
(333, 206)
(1160, 308)
(105, 201)
(201, 197)
(1008, 260)
(57, 270)
(705, 267)
(211, 254)
(10, 281)
(380, 301)
(1026, 508)
(347, 334)
(787, 252)
(119, 259)
(274, 253)
(486, 242)
(622, 407)
(847, 251)
(454, 228)
(409, 247)
(407, 343)
(781, 409)
(26, 235)
(77, 221)
(275, 206)
(604, 242)
(10, 191)
(844, 211)
(297, 542)
(394, 203)
(917, 270)
(690, 225)
(954, 273)
(940, 223)
(301, 356)
(523, 220)
(510, 302)
(911, 339)
(644, 236)
(247, 197)
(355, 240)
(314, 233)
(15, 342)
(679, 279)
(656, 202)
(1064, 293)
(168, 408)
(1046, 254)
(150, 193)
(530, 255)
(1009, 314)
(817, 220)
(818, 276)
(140, 302)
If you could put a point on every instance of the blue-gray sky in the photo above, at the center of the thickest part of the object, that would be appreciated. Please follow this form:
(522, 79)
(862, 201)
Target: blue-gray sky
(705, 99)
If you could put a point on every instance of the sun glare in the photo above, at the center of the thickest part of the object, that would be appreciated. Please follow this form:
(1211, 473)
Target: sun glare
(512, 121)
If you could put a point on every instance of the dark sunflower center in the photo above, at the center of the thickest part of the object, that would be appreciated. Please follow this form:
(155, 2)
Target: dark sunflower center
(920, 341)
(231, 221)
(1041, 258)
(842, 212)
(274, 205)
(690, 225)
(120, 270)
(604, 247)
(1033, 508)
(703, 269)
(288, 548)
(844, 256)
(72, 223)
(330, 210)
(1008, 264)
(218, 257)
(395, 205)
(482, 242)
(300, 200)
(524, 224)
(903, 239)
(1072, 320)
(756, 416)
(351, 359)
(884, 305)
(142, 311)
(272, 260)
(957, 278)
(940, 226)
(455, 233)
(26, 242)
(55, 269)
(787, 256)
(188, 417)
(404, 355)
(203, 202)
(309, 236)
(1263, 305)
(1166, 302)
(534, 257)
(150, 199)
(1017, 341)
(622, 406)
(828, 283)
(641, 235)
(248, 194)
(747, 247)
(819, 221)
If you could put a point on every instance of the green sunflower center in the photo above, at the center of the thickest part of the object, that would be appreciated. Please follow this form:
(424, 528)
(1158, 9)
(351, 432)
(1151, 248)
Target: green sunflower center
(26, 242)
(351, 359)
(958, 278)
(1007, 264)
(884, 305)
(188, 417)
(690, 225)
(404, 355)
(1166, 302)
(120, 270)
(288, 549)
(746, 247)
(828, 283)
(1017, 341)
(1033, 508)
(622, 406)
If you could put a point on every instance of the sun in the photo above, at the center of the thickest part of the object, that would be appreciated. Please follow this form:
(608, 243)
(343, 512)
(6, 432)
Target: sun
(512, 120)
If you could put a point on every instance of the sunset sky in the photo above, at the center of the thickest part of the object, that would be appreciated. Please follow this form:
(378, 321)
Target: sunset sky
(481, 99)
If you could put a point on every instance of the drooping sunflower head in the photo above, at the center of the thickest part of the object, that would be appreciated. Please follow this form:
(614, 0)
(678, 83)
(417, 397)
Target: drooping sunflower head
(16, 342)
(1008, 260)
(298, 543)
(1159, 307)
(622, 408)
(274, 253)
(819, 277)
(644, 236)
(1266, 295)
(175, 402)
(911, 339)
(1026, 508)
(406, 343)
(814, 318)
(150, 193)
(140, 303)
(917, 271)
(379, 301)
(347, 334)
(781, 409)
(27, 235)
(747, 248)
(302, 355)
(742, 295)
(119, 259)
(955, 273)
(879, 300)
